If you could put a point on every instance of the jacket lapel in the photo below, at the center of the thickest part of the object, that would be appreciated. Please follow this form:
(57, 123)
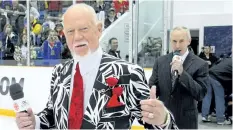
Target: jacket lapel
(100, 88)
(101, 93)
(188, 61)
(65, 80)
(104, 72)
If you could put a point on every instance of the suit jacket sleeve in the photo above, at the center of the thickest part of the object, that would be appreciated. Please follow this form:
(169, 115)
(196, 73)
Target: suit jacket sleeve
(46, 116)
(139, 90)
(154, 77)
(197, 84)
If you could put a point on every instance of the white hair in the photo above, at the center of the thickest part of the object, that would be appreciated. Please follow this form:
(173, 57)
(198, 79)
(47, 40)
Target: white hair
(182, 28)
(85, 7)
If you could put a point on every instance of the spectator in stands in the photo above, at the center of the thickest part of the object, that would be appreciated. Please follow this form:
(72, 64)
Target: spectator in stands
(220, 79)
(60, 33)
(34, 3)
(120, 13)
(42, 5)
(17, 19)
(9, 40)
(36, 28)
(100, 5)
(108, 5)
(21, 51)
(208, 56)
(45, 32)
(16, 6)
(54, 8)
(100, 11)
(3, 21)
(6, 4)
(49, 22)
(120, 4)
(113, 42)
(52, 47)
(35, 25)
(34, 12)
(111, 18)
(23, 46)
(8, 35)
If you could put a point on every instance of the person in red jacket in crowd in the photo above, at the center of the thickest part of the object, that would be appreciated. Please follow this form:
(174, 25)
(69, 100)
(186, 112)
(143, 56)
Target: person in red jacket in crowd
(54, 8)
(118, 4)
(60, 33)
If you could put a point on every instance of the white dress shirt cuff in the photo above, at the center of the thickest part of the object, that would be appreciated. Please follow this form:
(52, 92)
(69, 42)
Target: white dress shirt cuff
(37, 125)
(166, 125)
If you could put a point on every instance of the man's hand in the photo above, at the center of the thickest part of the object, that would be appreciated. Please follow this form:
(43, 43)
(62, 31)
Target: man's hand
(177, 64)
(26, 120)
(16, 12)
(209, 63)
(153, 111)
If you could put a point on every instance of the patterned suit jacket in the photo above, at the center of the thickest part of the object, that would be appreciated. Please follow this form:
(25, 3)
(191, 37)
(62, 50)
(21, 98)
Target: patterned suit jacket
(96, 115)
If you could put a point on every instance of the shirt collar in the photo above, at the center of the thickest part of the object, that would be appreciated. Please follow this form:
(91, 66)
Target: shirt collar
(89, 62)
(183, 57)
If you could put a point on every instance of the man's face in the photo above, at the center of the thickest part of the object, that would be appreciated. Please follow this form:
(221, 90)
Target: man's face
(114, 45)
(206, 50)
(111, 14)
(81, 32)
(59, 28)
(179, 41)
(52, 35)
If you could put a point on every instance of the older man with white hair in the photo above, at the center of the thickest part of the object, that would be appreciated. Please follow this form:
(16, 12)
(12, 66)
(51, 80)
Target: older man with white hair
(181, 79)
(95, 90)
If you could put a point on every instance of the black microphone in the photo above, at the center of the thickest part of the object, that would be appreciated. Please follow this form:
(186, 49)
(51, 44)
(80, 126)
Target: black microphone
(16, 93)
(176, 56)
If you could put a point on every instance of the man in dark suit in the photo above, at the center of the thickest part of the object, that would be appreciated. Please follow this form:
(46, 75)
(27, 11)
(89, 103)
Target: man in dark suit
(180, 95)
(95, 90)
(113, 42)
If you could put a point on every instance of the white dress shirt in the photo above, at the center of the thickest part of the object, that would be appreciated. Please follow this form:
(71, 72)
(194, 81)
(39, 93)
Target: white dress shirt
(89, 66)
(183, 57)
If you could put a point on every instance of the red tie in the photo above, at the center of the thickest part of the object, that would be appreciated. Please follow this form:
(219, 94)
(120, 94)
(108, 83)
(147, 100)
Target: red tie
(77, 99)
